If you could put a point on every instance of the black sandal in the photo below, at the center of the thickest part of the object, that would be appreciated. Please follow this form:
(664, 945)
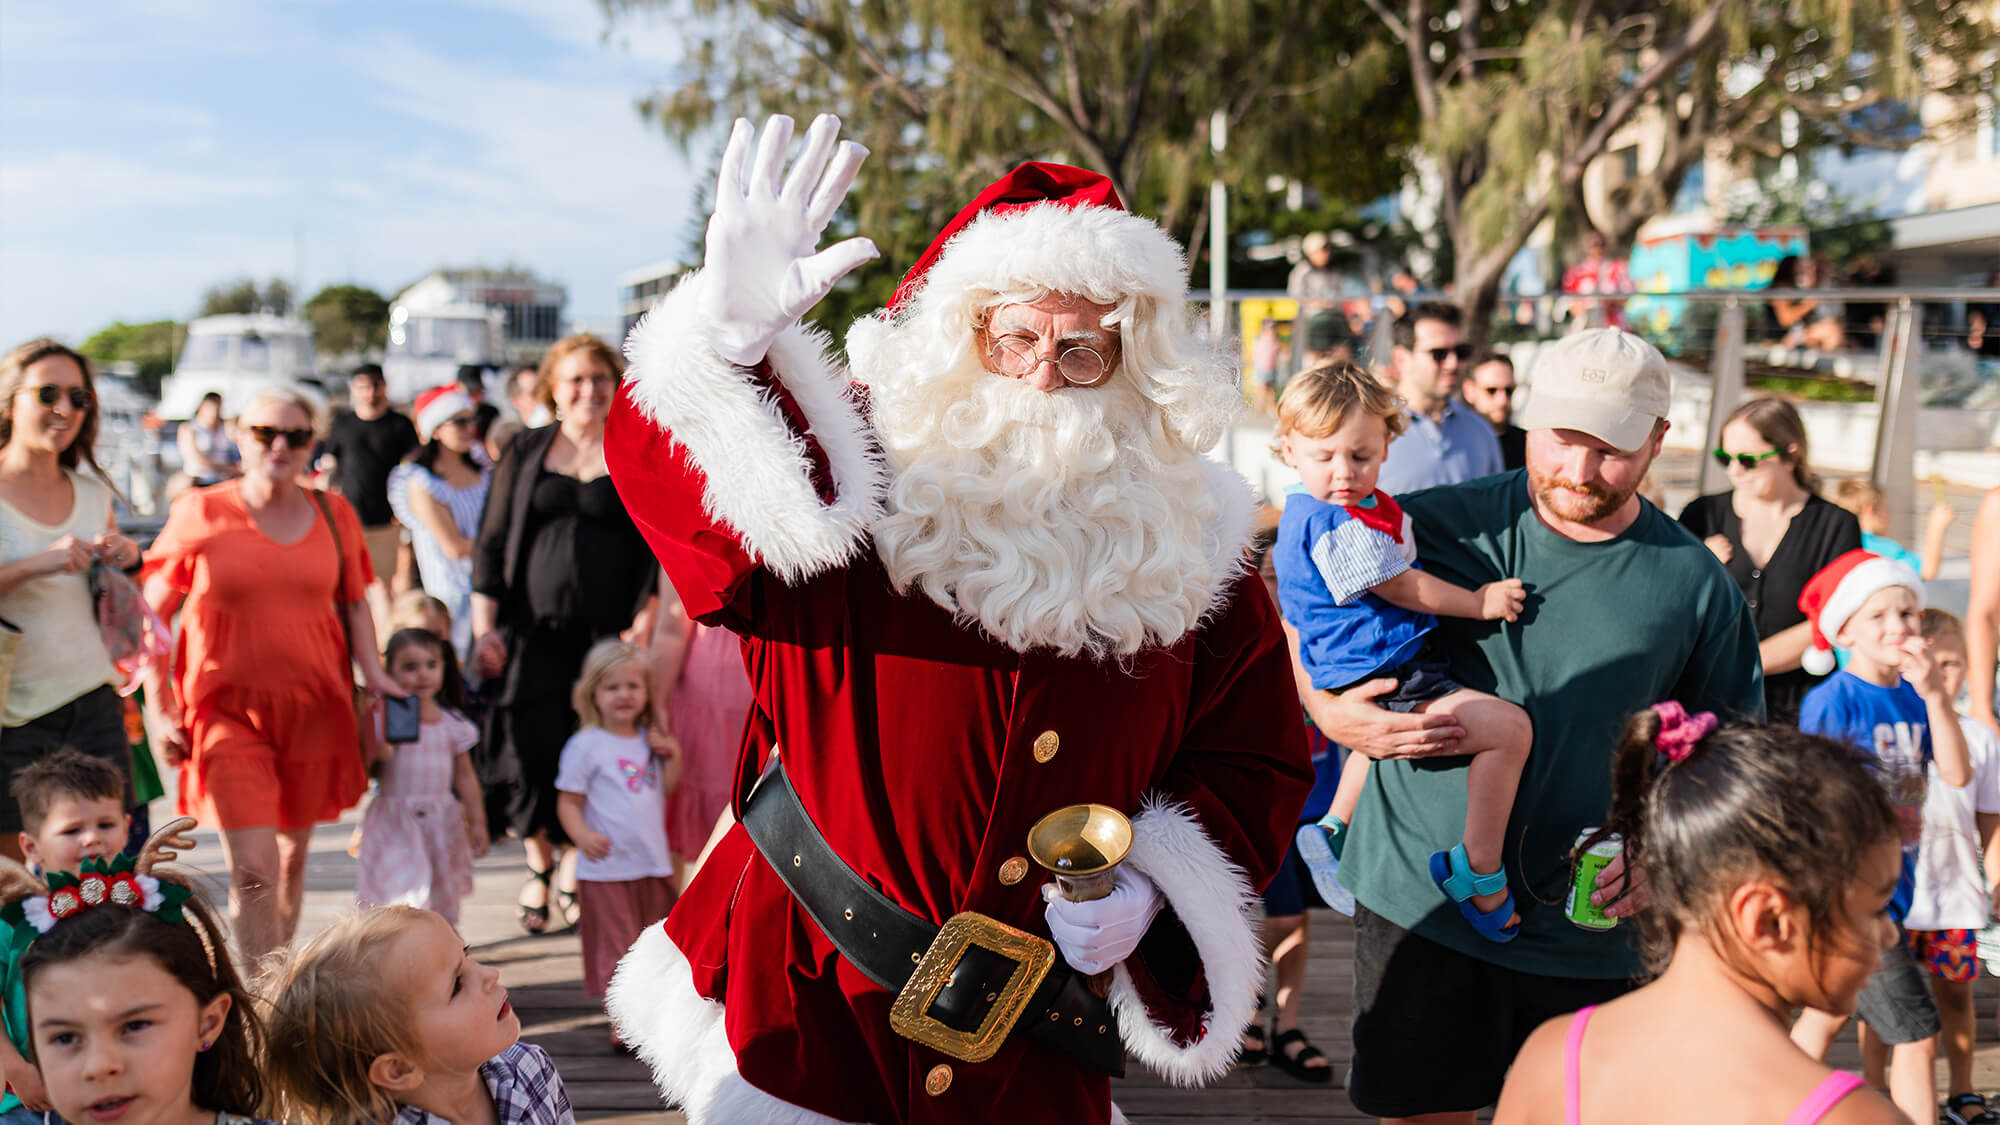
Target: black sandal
(535, 919)
(1261, 1053)
(1295, 1064)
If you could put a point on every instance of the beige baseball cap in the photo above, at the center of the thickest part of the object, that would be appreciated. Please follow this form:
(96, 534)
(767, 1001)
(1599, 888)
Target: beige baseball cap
(1606, 382)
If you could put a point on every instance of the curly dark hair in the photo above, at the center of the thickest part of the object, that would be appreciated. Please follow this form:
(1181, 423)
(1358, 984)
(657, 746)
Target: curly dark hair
(1749, 800)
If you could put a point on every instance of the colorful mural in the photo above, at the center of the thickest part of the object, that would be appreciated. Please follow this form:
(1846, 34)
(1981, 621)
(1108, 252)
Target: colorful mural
(1730, 258)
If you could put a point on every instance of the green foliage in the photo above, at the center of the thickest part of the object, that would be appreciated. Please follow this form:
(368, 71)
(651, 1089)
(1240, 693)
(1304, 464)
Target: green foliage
(949, 94)
(1841, 228)
(150, 345)
(348, 318)
(244, 296)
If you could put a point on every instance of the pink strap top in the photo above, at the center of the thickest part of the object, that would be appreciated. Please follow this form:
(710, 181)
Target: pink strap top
(1810, 1111)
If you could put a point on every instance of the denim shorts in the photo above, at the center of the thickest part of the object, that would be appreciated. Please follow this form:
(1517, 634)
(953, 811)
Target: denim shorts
(1420, 679)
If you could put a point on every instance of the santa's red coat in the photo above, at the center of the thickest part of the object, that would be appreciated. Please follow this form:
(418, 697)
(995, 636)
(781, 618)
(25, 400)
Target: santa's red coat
(912, 741)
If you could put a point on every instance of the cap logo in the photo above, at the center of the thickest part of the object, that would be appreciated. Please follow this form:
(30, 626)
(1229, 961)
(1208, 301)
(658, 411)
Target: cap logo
(1593, 374)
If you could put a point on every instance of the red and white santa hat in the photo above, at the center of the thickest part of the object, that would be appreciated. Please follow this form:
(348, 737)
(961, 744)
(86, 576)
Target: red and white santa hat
(438, 405)
(1835, 593)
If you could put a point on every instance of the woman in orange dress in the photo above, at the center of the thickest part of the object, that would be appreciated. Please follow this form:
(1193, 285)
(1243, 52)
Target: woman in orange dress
(260, 718)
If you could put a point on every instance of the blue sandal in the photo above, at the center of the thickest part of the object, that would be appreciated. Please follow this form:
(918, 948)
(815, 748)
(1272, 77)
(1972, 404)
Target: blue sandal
(1453, 874)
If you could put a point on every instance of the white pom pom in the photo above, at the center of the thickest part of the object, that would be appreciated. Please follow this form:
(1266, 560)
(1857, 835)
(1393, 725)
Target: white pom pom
(1818, 661)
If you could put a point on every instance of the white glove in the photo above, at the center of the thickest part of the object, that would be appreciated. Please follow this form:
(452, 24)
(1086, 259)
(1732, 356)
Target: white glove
(762, 274)
(1094, 936)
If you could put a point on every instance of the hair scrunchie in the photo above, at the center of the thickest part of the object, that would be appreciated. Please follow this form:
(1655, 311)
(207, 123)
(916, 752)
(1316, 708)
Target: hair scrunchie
(1680, 732)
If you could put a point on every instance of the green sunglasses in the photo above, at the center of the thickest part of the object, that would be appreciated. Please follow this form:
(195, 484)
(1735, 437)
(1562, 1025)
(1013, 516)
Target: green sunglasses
(1747, 460)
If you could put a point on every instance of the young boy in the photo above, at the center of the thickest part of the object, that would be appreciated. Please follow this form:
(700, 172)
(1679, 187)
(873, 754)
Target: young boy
(1890, 701)
(72, 808)
(1950, 901)
(1349, 583)
(1860, 496)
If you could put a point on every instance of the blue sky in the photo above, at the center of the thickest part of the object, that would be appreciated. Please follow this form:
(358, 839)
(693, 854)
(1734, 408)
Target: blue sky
(151, 149)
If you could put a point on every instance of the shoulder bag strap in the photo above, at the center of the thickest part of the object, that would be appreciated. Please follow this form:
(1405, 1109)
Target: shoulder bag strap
(340, 603)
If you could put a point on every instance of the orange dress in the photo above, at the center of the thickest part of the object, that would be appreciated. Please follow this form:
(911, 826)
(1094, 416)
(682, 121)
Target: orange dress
(261, 666)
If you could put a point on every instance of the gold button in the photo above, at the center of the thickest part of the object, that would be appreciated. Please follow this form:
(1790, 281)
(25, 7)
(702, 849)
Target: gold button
(938, 1080)
(1013, 871)
(1046, 745)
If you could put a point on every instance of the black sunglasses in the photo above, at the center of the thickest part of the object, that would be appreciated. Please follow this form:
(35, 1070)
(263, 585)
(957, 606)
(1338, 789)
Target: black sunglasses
(1462, 351)
(1747, 460)
(268, 436)
(48, 394)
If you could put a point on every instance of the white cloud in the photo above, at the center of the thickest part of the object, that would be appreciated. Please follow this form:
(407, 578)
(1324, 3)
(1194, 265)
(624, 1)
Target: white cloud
(55, 189)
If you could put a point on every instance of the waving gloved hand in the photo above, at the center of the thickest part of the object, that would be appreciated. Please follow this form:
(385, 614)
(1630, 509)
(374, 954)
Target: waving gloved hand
(762, 273)
(1094, 936)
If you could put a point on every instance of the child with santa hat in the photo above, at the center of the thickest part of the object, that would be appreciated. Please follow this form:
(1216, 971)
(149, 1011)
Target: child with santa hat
(1890, 700)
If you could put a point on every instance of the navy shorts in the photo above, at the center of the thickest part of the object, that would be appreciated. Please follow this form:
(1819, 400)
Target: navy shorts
(1420, 679)
(1291, 891)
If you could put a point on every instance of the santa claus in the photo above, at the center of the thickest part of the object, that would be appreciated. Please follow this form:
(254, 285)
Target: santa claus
(982, 573)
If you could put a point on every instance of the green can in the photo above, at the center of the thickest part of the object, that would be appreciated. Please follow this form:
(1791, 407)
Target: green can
(1581, 912)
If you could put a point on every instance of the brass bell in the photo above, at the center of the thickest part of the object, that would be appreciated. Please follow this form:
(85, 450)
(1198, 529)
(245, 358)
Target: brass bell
(1079, 845)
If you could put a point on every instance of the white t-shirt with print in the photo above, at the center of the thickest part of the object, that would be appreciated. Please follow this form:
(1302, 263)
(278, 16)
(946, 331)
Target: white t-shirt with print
(620, 781)
(1950, 891)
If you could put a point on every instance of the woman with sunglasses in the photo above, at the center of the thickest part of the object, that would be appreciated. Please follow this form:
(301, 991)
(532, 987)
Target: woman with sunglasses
(1772, 531)
(439, 495)
(56, 523)
(557, 567)
(270, 579)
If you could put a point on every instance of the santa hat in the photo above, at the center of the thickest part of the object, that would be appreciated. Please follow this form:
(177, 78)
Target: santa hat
(1835, 593)
(1042, 226)
(439, 404)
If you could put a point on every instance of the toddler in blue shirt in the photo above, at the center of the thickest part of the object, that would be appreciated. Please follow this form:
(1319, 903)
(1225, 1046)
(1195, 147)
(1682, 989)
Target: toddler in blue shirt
(1348, 581)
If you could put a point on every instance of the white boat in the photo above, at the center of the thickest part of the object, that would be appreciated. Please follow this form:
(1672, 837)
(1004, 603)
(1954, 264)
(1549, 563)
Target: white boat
(429, 342)
(236, 356)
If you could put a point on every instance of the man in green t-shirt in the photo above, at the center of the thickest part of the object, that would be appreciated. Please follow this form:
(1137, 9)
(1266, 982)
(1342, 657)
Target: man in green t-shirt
(1625, 609)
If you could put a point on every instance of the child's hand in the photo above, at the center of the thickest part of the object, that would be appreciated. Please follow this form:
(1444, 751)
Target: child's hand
(662, 741)
(26, 1082)
(596, 845)
(1921, 669)
(1940, 518)
(1502, 600)
(1719, 544)
(477, 836)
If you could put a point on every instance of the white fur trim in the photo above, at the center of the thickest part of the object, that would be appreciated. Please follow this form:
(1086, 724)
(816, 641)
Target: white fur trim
(759, 477)
(1082, 250)
(1858, 585)
(679, 1034)
(1229, 531)
(1216, 904)
(1817, 661)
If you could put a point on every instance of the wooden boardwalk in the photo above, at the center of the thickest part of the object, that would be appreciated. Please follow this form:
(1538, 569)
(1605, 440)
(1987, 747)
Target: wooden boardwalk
(544, 975)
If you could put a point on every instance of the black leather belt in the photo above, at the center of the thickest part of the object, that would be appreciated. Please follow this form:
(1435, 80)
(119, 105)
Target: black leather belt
(961, 988)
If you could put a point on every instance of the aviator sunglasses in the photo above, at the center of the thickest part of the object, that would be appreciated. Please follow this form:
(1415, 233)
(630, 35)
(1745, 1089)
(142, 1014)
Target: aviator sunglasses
(1462, 351)
(1747, 460)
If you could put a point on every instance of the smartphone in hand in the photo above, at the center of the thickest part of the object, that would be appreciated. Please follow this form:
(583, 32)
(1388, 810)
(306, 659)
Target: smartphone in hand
(402, 721)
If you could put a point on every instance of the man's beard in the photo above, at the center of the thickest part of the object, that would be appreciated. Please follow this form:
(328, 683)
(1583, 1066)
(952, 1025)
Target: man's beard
(1577, 503)
(1067, 520)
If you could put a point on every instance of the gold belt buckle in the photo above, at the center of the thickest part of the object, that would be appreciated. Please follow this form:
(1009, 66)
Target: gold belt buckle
(1032, 957)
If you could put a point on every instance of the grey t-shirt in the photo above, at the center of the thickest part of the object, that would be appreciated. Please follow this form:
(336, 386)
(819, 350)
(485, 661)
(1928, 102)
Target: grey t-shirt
(1609, 628)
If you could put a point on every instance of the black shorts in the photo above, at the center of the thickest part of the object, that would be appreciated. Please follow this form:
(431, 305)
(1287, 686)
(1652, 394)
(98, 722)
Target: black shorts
(1291, 891)
(1420, 679)
(93, 723)
(1436, 1030)
(1897, 1002)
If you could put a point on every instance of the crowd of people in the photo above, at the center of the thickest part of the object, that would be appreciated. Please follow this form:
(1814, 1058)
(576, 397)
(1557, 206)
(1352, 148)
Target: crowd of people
(1478, 692)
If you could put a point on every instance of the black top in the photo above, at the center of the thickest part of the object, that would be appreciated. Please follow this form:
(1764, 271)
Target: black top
(366, 452)
(1819, 534)
(1513, 447)
(587, 564)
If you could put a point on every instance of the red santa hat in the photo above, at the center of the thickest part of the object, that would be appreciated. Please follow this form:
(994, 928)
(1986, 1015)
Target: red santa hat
(1835, 593)
(1053, 227)
(439, 404)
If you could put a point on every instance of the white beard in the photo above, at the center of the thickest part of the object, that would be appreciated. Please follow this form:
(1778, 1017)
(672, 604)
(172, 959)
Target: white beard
(1070, 520)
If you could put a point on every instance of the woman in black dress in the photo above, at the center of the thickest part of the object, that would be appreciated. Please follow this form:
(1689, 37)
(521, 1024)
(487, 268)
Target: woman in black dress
(558, 567)
(1773, 532)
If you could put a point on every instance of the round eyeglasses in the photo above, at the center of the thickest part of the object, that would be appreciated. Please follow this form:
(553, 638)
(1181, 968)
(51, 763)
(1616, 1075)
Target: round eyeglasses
(1078, 365)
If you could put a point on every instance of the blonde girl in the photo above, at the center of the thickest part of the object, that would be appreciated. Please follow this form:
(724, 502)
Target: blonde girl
(611, 799)
(386, 1013)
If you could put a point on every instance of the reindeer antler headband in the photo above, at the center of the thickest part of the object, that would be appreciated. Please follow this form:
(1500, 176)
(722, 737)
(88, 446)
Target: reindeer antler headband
(35, 906)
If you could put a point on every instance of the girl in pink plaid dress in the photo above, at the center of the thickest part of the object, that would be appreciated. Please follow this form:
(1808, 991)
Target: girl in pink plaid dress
(428, 820)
